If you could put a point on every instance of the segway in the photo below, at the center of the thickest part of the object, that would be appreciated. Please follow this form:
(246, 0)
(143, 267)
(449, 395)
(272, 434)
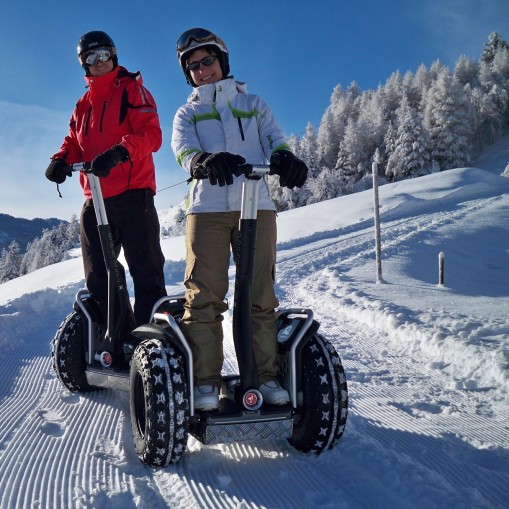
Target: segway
(159, 374)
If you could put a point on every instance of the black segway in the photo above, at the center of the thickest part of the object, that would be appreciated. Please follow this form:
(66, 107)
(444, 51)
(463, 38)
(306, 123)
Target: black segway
(159, 376)
(86, 343)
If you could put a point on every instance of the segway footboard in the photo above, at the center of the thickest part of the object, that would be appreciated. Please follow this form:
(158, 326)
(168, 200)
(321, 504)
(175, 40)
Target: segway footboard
(233, 423)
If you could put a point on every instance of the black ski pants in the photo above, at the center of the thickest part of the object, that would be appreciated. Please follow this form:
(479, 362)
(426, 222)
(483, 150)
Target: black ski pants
(135, 228)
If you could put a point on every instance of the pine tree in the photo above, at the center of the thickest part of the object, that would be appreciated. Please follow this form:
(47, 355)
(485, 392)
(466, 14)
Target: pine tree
(411, 153)
(52, 247)
(10, 262)
(466, 72)
(494, 44)
(448, 119)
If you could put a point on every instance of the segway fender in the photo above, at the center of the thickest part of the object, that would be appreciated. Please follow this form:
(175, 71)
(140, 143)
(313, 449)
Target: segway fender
(295, 329)
(165, 329)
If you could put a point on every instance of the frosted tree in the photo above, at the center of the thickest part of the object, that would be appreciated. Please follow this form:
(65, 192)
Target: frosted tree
(328, 139)
(448, 120)
(332, 129)
(423, 80)
(391, 94)
(10, 262)
(390, 137)
(178, 225)
(411, 89)
(466, 72)
(494, 79)
(362, 137)
(73, 231)
(309, 150)
(411, 153)
(324, 187)
(494, 44)
(52, 247)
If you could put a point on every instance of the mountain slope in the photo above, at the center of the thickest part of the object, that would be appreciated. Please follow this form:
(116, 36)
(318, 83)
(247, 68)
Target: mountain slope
(23, 230)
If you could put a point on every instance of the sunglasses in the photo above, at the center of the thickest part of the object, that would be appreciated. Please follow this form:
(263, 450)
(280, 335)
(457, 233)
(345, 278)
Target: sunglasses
(102, 54)
(197, 34)
(194, 66)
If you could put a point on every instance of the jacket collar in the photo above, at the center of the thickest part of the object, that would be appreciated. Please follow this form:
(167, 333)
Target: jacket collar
(97, 83)
(218, 92)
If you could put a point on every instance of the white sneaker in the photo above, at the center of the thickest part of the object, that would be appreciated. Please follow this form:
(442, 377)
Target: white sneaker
(274, 394)
(206, 398)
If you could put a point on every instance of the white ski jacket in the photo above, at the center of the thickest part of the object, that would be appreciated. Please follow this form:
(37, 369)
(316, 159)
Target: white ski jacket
(223, 117)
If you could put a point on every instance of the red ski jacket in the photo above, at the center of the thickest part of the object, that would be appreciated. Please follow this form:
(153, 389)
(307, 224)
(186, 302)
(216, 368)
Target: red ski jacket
(117, 109)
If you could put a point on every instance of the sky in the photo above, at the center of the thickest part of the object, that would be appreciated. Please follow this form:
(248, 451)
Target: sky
(291, 53)
(426, 366)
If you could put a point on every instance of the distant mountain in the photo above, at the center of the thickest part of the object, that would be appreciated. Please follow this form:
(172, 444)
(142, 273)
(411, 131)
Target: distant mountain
(23, 230)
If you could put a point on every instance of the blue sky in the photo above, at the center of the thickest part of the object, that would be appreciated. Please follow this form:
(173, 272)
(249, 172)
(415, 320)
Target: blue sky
(292, 53)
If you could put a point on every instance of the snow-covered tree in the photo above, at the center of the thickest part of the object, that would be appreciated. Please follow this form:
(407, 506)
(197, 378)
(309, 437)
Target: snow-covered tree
(494, 44)
(328, 139)
(411, 89)
(391, 95)
(52, 247)
(10, 262)
(411, 153)
(448, 119)
(466, 72)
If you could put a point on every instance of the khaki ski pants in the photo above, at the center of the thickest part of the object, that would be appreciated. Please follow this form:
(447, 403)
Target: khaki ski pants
(211, 237)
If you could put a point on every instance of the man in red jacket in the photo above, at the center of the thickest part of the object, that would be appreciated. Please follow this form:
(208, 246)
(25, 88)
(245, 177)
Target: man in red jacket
(115, 125)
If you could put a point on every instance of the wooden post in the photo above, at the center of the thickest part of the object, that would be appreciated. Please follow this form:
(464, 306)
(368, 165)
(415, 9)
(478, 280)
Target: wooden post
(378, 243)
(441, 273)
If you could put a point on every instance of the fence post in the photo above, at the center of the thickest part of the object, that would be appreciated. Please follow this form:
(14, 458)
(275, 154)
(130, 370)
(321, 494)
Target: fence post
(441, 273)
(378, 243)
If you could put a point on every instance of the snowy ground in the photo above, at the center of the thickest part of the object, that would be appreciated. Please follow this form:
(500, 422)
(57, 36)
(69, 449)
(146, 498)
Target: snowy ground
(427, 367)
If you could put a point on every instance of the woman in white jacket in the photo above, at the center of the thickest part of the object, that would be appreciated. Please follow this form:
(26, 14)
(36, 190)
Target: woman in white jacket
(220, 127)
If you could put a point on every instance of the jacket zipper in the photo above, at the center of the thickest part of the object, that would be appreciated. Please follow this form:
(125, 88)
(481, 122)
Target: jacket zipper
(87, 122)
(102, 117)
(241, 129)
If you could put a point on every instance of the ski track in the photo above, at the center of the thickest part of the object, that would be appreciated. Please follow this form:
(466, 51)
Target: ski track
(60, 450)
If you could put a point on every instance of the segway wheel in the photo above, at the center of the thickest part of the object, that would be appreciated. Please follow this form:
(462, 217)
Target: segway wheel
(68, 354)
(324, 408)
(159, 403)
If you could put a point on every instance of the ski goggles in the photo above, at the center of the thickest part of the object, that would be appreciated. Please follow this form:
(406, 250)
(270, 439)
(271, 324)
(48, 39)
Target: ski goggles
(194, 34)
(194, 66)
(92, 57)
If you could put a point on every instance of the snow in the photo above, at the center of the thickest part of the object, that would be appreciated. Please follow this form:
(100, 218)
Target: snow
(426, 365)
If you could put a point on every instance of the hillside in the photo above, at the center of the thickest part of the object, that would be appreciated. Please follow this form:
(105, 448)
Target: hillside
(426, 367)
(23, 230)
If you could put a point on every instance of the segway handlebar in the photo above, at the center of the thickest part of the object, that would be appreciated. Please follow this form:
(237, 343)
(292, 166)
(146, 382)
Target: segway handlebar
(251, 171)
(85, 167)
(254, 170)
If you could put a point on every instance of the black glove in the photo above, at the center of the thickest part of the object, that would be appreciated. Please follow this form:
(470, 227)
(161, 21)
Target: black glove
(58, 171)
(219, 168)
(291, 170)
(105, 162)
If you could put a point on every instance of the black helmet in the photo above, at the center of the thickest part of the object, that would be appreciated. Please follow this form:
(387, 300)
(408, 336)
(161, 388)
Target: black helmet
(95, 39)
(195, 38)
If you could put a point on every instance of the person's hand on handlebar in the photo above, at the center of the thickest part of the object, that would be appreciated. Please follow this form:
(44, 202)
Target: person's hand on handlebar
(219, 168)
(105, 162)
(58, 171)
(291, 170)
